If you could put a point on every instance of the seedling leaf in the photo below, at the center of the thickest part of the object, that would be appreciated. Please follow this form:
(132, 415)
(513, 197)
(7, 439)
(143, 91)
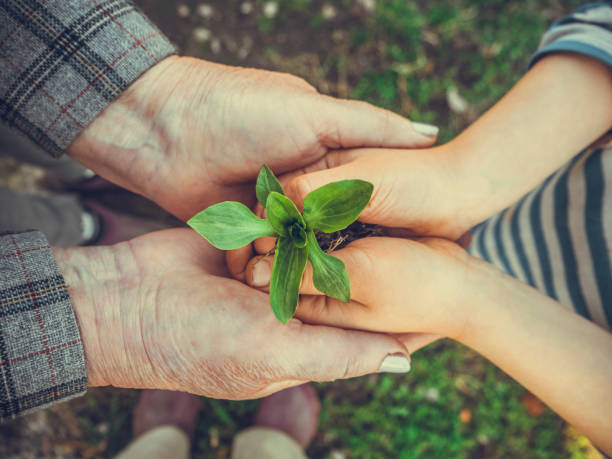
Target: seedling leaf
(266, 182)
(230, 225)
(297, 233)
(289, 264)
(328, 272)
(336, 205)
(282, 213)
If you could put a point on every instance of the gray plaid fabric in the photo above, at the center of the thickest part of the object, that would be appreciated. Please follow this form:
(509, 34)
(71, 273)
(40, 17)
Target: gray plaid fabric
(63, 61)
(41, 355)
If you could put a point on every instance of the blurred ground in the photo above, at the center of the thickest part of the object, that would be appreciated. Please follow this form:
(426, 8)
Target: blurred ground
(441, 62)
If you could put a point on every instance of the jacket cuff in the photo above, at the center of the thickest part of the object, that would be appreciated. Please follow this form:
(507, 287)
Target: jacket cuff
(42, 360)
(62, 63)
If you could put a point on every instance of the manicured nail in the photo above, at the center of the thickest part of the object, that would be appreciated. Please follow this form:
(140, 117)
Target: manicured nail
(260, 275)
(425, 129)
(395, 363)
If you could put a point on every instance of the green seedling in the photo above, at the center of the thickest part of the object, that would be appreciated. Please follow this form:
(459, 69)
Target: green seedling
(230, 225)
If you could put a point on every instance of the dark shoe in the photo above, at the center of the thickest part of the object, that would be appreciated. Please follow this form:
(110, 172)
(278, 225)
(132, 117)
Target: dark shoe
(95, 183)
(156, 408)
(113, 227)
(88, 184)
(294, 411)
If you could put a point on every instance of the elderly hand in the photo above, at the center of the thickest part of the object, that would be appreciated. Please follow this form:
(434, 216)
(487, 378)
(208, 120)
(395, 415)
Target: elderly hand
(160, 312)
(190, 133)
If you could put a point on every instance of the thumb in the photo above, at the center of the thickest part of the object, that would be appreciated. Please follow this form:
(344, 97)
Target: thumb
(381, 170)
(351, 123)
(321, 353)
(415, 341)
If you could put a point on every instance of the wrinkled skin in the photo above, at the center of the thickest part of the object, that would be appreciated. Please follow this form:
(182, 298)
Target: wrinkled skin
(167, 316)
(190, 133)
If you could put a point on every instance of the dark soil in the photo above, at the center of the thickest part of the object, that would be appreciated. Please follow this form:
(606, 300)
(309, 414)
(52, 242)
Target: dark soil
(339, 239)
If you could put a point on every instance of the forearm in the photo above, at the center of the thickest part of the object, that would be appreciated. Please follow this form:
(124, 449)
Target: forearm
(563, 104)
(559, 356)
(99, 280)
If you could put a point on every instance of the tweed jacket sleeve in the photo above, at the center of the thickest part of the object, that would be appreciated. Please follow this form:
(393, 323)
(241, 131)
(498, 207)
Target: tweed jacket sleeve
(41, 355)
(63, 61)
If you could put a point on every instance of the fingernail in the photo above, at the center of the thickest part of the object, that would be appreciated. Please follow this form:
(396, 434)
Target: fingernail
(426, 129)
(260, 275)
(395, 363)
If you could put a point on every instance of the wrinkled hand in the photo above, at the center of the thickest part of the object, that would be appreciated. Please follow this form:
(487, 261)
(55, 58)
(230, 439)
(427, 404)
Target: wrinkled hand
(160, 312)
(189, 133)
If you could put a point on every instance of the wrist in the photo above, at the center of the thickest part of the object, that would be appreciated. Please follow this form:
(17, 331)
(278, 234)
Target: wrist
(96, 282)
(125, 143)
(467, 198)
(492, 302)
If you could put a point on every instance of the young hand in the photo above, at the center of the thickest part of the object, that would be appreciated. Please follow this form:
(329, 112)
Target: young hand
(397, 286)
(530, 133)
(431, 285)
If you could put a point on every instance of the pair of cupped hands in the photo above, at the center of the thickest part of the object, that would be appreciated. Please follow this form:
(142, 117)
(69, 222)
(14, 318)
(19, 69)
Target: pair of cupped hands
(166, 310)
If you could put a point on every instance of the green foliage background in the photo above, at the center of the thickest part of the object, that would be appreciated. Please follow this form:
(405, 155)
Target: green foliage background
(403, 55)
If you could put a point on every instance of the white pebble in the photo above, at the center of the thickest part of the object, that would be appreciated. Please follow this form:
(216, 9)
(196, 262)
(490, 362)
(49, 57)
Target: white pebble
(242, 53)
(183, 10)
(368, 5)
(328, 12)
(455, 101)
(205, 10)
(200, 34)
(270, 9)
(246, 8)
(432, 394)
(215, 46)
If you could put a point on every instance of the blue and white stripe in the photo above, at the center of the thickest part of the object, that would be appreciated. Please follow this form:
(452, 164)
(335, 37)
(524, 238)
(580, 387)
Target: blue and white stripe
(558, 238)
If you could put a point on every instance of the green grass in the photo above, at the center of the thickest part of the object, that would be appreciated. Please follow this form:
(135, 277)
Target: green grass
(413, 416)
(404, 56)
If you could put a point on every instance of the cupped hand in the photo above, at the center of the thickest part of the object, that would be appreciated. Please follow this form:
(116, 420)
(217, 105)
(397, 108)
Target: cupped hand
(190, 133)
(161, 312)
(419, 192)
(397, 286)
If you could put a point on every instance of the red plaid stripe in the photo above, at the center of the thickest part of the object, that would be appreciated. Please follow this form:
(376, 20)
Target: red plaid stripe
(35, 249)
(41, 353)
(51, 94)
(37, 310)
(44, 91)
(137, 42)
(98, 76)
(36, 354)
(16, 28)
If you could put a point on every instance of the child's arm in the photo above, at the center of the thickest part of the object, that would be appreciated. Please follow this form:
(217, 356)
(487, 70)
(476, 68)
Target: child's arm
(562, 105)
(433, 286)
(559, 107)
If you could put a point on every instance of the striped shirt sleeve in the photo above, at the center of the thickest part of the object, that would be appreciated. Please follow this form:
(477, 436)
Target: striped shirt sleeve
(63, 61)
(41, 355)
(558, 237)
(588, 31)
